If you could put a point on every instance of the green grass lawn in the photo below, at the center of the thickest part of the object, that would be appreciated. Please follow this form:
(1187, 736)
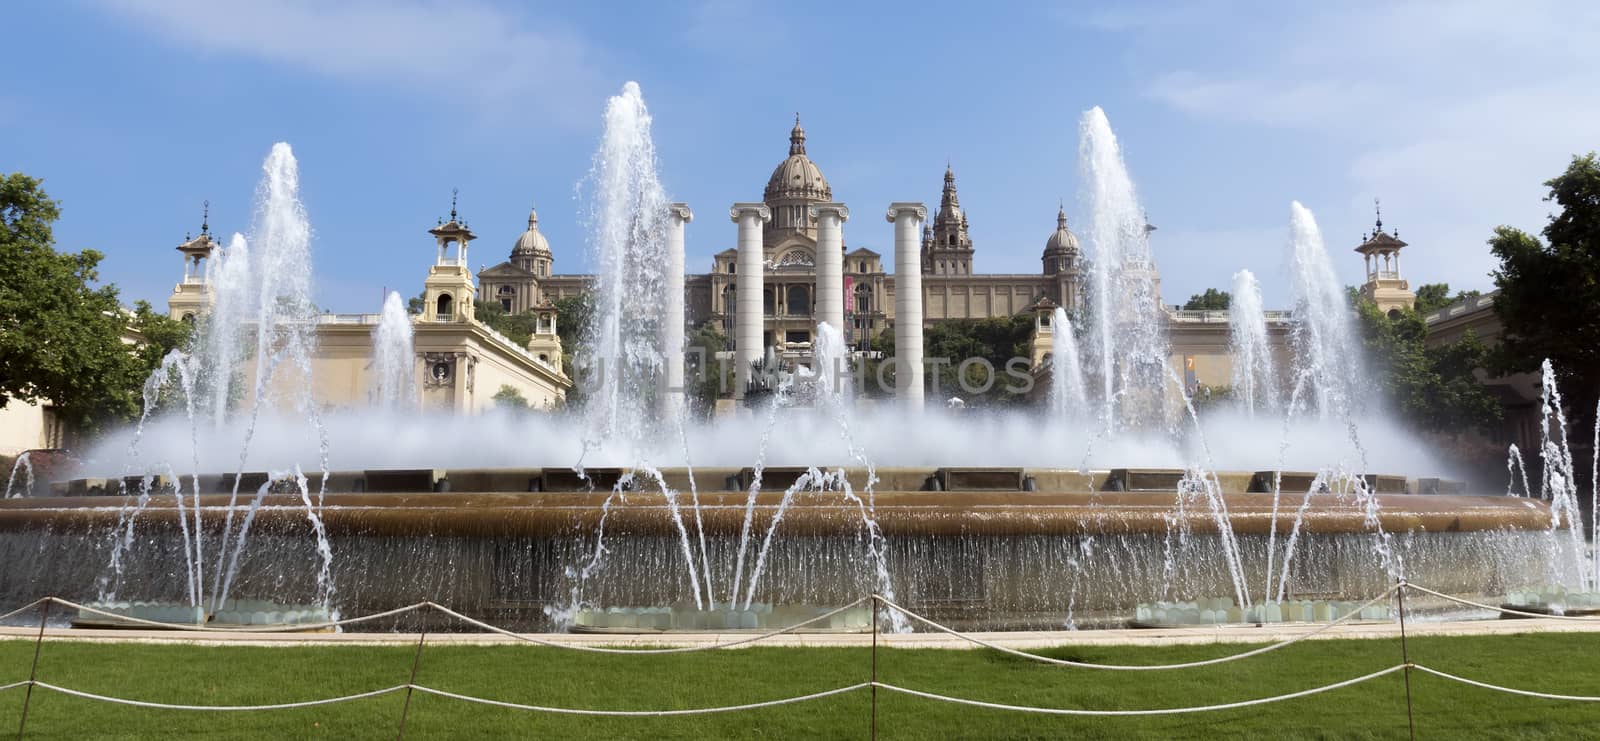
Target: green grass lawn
(248, 675)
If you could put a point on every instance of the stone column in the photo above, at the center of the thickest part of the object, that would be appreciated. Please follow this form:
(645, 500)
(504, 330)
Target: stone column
(830, 262)
(907, 219)
(749, 316)
(678, 214)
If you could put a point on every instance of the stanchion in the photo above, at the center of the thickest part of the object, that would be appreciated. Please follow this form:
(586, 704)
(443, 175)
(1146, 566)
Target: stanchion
(33, 674)
(876, 607)
(422, 635)
(1405, 658)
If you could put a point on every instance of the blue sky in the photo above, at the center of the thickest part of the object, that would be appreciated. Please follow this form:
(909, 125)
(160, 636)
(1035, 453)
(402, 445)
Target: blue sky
(1452, 113)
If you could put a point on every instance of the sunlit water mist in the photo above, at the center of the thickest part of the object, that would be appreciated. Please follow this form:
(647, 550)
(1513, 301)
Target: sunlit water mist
(261, 294)
(1067, 393)
(1129, 347)
(628, 212)
(394, 372)
(1329, 367)
(1255, 374)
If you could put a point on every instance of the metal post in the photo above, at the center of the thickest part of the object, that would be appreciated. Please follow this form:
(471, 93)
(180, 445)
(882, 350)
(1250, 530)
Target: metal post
(33, 674)
(876, 606)
(415, 660)
(1405, 657)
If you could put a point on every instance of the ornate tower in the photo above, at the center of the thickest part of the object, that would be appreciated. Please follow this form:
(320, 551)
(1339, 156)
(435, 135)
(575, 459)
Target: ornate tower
(1384, 285)
(1061, 262)
(794, 186)
(532, 251)
(448, 292)
(192, 296)
(948, 248)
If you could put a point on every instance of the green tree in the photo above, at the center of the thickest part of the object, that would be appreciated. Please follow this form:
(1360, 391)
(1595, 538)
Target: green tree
(510, 399)
(1435, 390)
(61, 336)
(704, 377)
(1211, 300)
(572, 323)
(1549, 292)
(1432, 297)
(996, 340)
(518, 327)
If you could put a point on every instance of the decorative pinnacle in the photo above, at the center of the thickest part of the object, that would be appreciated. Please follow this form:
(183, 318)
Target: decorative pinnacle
(453, 193)
(1378, 209)
(205, 218)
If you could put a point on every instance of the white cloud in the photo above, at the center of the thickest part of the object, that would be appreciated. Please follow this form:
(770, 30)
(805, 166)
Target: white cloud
(494, 61)
(1454, 113)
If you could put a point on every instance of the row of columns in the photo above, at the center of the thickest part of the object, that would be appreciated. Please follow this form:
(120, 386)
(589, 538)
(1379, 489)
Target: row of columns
(750, 277)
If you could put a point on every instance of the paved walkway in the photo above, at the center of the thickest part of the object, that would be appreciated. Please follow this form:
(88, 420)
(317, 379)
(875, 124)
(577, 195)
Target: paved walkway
(1017, 639)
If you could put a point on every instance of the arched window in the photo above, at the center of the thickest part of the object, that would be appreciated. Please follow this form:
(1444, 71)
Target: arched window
(799, 301)
(729, 299)
(506, 294)
(188, 318)
(445, 307)
(863, 299)
(769, 301)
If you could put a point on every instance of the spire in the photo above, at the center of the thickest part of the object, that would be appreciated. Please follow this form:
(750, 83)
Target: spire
(453, 193)
(205, 218)
(797, 137)
(1377, 208)
(1061, 214)
(533, 217)
(949, 199)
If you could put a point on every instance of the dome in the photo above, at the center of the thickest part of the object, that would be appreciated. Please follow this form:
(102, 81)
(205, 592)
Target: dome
(531, 241)
(797, 176)
(1063, 240)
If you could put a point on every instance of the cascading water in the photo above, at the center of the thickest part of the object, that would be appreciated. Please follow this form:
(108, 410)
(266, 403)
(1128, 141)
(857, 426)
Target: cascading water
(1129, 350)
(1324, 338)
(1255, 377)
(394, 381)
(1067, 394)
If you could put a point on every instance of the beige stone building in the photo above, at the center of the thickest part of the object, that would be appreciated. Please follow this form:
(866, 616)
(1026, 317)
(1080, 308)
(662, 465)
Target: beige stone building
(458, 361)
(952, 288)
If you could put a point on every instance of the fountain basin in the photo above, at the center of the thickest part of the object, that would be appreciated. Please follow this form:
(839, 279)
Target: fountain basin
(1066, 553)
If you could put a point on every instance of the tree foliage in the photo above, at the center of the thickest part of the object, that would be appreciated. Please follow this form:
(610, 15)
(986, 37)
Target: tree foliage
(519, 327)
(1211, 300)
(1549, 292)
(61, 335)
(510, 399)
(1432, 297)
(1435, 390)
(704, 376)
(996, 340)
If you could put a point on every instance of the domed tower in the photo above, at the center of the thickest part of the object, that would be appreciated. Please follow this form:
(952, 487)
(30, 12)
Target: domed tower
(1061, 250)
(949, 251)
(532, 251)
(1061, 262)
(795, 184)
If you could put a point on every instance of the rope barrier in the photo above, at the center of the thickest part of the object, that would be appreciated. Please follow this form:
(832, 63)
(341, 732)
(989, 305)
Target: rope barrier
(1154, 711)
(1506, 610)
(25, 608)
(1139, 667)
(1509, 690)
(219, 708)
(296, 628)
(645, 713)
(676, 650)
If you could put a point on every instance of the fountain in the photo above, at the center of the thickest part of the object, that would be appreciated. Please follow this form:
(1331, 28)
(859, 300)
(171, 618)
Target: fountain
(393, 360)
(796, 505)
(1067, 397)
(1129, 346)
(1255, 376)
